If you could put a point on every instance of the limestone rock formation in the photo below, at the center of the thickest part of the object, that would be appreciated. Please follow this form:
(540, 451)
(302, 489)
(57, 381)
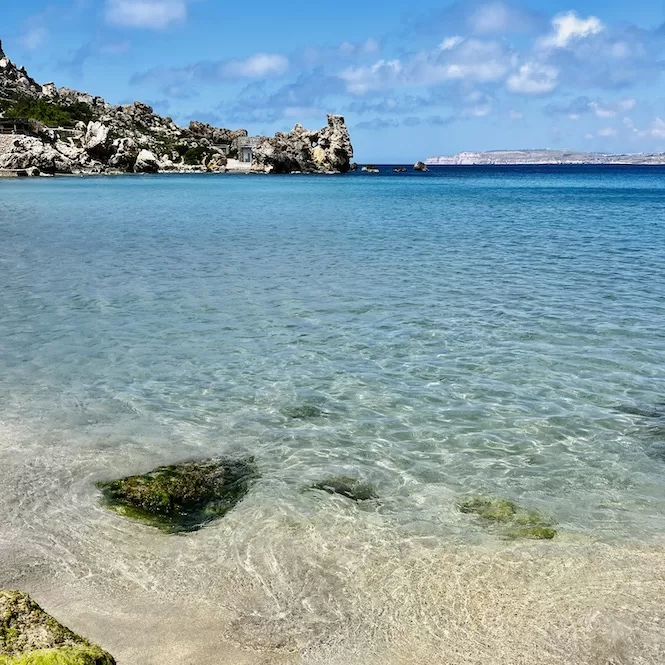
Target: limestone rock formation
(215, 135)
(29, 636)
(97, 137)
(324, 151)
(146, 162)
(31, 152)
(15, 80)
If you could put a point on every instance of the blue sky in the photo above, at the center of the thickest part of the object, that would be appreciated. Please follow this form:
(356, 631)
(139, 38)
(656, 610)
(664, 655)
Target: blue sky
(432, 78)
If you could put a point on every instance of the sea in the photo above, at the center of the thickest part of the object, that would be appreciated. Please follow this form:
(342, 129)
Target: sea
(471, 331)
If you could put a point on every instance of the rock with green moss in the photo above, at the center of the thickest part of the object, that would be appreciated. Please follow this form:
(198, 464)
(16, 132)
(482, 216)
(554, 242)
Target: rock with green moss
(538, 532)
(182, 497)
(29, 636)
(351, 488)
(524, 523)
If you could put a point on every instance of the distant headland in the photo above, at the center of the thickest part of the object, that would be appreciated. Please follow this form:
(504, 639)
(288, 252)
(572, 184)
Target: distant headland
(50, 130)
(546, 158)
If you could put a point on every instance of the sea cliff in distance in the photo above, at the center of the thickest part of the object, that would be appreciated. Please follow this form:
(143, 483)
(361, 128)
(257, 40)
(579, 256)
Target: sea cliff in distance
(545, 158)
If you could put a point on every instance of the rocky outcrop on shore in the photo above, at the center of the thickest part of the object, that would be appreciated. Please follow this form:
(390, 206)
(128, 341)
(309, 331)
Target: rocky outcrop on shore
(29, 636)
(328, 150)
(94, 136)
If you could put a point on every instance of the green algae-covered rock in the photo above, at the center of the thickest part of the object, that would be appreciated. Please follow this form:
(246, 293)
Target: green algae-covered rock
(496, 510)
(351, 488)
(182, 497)
(525, 523)
(29, 636)
(532, 532)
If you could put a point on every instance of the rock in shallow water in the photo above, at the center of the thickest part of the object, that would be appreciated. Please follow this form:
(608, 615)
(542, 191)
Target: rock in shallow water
(303, 412)
(525, 523)
(182, 497)
(29, 636)
(351, 488)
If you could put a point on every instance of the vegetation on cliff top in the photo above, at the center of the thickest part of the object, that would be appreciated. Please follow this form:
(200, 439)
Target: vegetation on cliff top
(51, 114)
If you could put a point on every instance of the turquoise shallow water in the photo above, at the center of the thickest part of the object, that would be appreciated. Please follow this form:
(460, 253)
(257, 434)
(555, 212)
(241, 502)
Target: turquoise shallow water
(463, 331)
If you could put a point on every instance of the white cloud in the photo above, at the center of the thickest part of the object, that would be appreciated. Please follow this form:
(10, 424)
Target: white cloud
(150, 14)
(360, 80)
(533, 78)
(515, 115)
(454, 60)
(256, 66)
(34, 38)
(607, 131)
(601, 111)
(451, 42)
(569, 27)
(655, 131)
(609, 110)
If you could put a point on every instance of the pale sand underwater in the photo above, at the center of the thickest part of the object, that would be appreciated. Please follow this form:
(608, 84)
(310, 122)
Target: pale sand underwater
(342, 585)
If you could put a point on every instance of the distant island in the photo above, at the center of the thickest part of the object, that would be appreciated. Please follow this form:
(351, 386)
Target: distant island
(46, 130)
(546, 158)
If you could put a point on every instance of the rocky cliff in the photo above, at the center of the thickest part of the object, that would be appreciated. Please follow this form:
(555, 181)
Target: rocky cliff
(75, 132)
(328, 150)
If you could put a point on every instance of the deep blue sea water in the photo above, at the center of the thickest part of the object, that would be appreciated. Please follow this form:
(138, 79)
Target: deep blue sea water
(495, 331)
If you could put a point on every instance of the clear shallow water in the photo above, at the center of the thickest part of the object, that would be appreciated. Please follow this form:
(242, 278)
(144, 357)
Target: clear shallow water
(463, 331)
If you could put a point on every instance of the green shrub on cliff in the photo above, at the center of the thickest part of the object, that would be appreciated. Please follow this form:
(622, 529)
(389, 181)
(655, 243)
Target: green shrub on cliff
(51, 114)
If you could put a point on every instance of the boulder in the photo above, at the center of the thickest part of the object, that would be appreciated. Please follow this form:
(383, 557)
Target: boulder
(420, 166)
(29, 636)
(182, 497)
(351, 488)
(146, 162)
(124, 152)
(324, 151)
(96, 139)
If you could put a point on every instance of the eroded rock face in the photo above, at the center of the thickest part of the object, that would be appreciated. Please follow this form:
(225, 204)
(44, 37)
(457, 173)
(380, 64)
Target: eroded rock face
(215, 135)
(15, 80)
(323, 151)
(182, 497)
(29, 636)
(420, 166)
(146, 162)
(96, 139)
(32, 152)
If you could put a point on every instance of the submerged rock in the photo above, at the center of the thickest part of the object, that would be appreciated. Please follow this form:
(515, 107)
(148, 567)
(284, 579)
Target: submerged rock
(182, 497)
(29, 636)
(526, 523)
(351, 488)
(303, 412)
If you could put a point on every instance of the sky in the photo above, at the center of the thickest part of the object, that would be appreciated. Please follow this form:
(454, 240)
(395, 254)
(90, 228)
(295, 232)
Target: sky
(412, 79)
